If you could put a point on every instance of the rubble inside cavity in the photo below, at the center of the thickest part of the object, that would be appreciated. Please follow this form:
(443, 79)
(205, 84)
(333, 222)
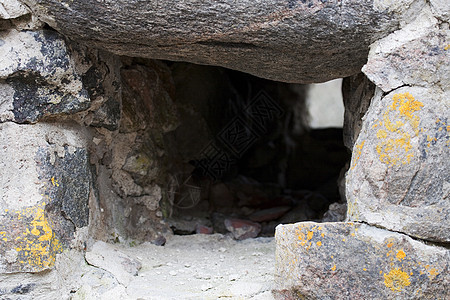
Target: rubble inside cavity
(111, 148)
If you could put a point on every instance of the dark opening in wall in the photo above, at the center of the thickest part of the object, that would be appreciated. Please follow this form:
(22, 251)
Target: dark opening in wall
(243, 158)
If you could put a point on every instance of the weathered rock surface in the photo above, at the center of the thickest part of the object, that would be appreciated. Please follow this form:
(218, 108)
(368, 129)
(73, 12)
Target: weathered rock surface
(242, 229)
(357, 92)
(415, 55)
(292, 41)
(128, 149)
(37, 77)
(71, 271)
(45, 192)
(11, 9)
(399, 177)
(122, 266)
(353, 261)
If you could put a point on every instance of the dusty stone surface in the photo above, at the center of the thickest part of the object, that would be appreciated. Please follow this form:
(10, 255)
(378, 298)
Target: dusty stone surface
(120, 265)
(187, 267)
(353, 260)
(292, 41)
(52, 284)
(38, 77)
(44, 195)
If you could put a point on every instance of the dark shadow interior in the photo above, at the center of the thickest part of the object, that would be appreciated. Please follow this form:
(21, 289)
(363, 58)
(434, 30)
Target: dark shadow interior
(243, 152)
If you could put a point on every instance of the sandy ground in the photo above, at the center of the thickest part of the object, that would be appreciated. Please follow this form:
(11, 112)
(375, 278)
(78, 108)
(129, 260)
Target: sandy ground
(187, 267)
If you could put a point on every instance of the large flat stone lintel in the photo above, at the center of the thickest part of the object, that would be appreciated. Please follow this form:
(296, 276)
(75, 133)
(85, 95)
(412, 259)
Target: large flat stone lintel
(292, 41)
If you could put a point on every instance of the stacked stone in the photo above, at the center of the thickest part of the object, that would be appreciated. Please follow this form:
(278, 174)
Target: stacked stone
(78, 153)
(66, 170)
(395, 243)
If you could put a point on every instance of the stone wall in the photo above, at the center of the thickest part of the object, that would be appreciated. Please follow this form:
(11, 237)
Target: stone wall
(395, 243)
(85, 132)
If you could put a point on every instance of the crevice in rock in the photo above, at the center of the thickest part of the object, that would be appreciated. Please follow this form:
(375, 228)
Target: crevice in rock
(384, 94)
(425, 241)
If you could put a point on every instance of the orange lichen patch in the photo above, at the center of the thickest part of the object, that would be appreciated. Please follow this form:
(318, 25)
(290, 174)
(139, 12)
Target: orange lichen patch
(364, 269)
(395, 142)
(447, 47)
(432, 272)
(401, 255)
(407, 105)
(322, 234)
(390, 244)
(396, 280)
(358, 151)
(333, 268)
(305, 236)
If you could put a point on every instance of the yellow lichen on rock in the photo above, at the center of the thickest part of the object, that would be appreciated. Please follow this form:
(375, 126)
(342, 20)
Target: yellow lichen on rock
(401, 255)
(37, 246)
(358, 153)
(394, 144)
(396, 280)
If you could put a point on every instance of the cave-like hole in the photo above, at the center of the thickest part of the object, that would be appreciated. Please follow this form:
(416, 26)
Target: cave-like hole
(250, 153)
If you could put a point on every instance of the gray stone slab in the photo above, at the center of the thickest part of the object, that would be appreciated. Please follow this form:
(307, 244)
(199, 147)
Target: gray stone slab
(289, 40)
(357, 261)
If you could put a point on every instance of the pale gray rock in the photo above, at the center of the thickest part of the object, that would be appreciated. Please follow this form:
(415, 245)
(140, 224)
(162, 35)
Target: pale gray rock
(11, 9)
(441, 8)
(289, 40)
(399, 176)
(415, 55)
(353, 261)
(122, 266)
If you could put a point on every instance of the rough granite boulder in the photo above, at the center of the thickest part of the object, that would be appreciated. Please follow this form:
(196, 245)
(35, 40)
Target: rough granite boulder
(399, 177)
(289, 40)
(357, 261)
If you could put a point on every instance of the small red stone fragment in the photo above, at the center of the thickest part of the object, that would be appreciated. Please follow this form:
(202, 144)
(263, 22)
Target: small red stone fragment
(242, 229)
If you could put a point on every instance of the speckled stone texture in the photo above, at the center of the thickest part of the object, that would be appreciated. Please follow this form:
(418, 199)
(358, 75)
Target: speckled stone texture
(399, 176)
(45, 193)
(37, 77)
(289, 40)
(357, 261)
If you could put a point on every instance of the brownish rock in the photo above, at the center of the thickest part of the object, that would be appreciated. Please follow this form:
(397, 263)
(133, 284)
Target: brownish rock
(242, 229)
(269, 214)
